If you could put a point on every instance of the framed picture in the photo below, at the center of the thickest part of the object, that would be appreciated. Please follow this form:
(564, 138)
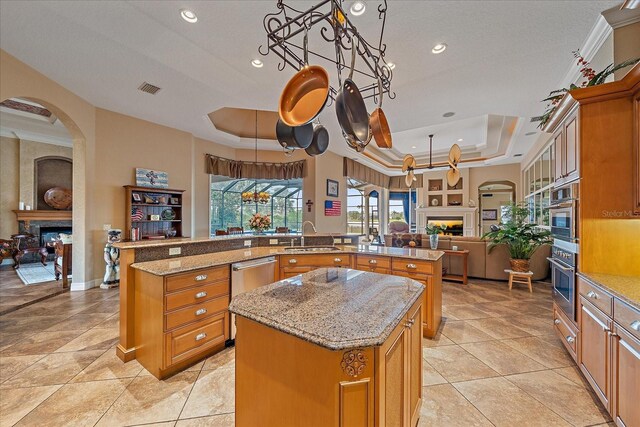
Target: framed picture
(174, 201)
(154, 217)
(490, 214)
(137, 197)
(333, 188)
(151, 178)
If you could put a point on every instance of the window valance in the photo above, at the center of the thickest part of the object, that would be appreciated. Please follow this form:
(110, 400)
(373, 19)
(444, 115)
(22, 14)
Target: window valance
(397, 183)
(363, 173)
(255, 170)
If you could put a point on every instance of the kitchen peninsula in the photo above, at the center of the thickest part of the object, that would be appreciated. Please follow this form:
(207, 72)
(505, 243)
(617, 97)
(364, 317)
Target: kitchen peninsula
(332, 347)
(173, 309)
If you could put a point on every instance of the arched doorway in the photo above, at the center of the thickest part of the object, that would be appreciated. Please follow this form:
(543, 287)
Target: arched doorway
(53, 146)
(492, 196)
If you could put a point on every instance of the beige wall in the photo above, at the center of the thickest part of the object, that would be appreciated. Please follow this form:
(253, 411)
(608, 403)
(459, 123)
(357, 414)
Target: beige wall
(510, 172)
(9, 185)
(625, 46)
(329, 166)
(496, 201)
(29, 152)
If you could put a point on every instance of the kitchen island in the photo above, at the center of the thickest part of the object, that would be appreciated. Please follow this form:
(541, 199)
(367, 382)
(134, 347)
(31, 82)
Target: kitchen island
(331, 347)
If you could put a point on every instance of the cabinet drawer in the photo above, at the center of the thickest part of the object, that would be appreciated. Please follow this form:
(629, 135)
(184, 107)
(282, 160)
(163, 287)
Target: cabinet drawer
(188, 341)
(324, 260)
(198, 277)
(566, 331)
(596, 296)
(423, 278)
(374, 269)
(196, 312)
(369, 261)
(627, 317)
(412, 266)
(196, 295)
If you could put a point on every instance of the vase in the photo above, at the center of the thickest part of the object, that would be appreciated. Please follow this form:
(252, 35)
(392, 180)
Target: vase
(520, 265)
(433, 241)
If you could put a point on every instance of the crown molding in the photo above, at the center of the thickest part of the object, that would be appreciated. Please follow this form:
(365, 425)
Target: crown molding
(596, 38)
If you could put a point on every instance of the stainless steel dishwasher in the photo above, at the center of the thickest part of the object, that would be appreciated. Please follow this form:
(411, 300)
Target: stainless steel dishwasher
(249, 275)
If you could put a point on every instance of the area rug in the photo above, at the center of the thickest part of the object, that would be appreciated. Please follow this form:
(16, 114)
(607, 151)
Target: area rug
(35, 272)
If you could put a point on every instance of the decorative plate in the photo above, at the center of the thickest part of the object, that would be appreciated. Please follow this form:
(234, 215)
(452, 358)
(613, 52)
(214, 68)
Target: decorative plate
(168, 214)
(136, 214)
(58, 198)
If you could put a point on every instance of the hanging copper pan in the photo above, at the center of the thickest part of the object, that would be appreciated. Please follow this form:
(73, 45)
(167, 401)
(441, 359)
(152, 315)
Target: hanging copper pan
(379, 124)
(306, 94)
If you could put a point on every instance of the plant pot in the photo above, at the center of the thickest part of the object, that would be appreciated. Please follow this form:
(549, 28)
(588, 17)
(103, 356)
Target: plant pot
(520, 265)
(433, 241)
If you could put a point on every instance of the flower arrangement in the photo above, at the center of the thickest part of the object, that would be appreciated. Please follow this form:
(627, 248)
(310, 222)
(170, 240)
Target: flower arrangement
(259, 222)
(591, 79)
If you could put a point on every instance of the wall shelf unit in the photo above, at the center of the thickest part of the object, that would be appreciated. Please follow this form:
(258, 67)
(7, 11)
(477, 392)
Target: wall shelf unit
(137, 204)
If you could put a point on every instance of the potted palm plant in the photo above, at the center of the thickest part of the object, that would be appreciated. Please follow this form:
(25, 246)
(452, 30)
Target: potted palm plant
(521, 238)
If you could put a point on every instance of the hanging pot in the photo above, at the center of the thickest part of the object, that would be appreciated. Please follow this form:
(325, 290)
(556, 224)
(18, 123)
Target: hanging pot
(306, 94)
(320, 141)
(351, 110)
(294, 137)
(379, 124)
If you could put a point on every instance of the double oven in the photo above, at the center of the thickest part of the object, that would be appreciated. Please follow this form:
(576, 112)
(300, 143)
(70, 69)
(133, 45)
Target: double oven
(563, 214)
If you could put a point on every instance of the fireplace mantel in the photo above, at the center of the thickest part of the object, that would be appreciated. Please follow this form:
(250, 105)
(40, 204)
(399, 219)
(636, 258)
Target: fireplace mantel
(468, 216)
(42, 215)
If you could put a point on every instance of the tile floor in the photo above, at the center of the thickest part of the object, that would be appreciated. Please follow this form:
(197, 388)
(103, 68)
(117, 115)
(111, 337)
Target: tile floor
(14, 294)
(496, 362)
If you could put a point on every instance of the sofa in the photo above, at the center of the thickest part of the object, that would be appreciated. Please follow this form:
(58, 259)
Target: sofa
(481, 262)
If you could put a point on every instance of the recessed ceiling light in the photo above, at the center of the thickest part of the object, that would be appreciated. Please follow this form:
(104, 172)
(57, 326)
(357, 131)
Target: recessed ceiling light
(530, 133)
(413, 146)
(449, 114)
(257, 63)
(439, 48)
(460, 139)
(189, 16)
(358, 7)
(391, 65)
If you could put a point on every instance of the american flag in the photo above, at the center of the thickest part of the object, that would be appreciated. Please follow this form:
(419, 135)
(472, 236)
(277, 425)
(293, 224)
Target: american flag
(332, 208)
(136, 214)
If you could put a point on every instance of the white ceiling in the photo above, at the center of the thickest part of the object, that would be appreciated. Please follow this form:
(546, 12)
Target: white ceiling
(503, 57)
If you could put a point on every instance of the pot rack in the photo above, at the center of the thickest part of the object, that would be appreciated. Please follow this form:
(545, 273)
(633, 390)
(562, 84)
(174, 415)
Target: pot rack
(285, 30)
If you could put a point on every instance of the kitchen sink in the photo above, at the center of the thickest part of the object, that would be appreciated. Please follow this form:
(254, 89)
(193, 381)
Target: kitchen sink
(312, 248)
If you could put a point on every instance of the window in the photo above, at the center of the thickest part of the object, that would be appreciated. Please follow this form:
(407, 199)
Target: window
(355, 207)
(538, 179)
(227, 209)
(396, 210)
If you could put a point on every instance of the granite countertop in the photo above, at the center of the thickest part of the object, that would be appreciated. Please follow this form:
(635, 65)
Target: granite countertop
(187, 240)
(625, 288)
(335, 308)
(168, 266)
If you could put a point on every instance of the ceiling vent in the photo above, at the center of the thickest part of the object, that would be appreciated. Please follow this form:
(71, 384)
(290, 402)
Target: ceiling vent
(149, 88)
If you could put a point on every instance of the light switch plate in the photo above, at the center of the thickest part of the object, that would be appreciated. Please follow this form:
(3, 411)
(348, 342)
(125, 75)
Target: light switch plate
(347, 240)
(337, 241)
(273, 241)
(175, 251)
(106, 227)
(247, 243)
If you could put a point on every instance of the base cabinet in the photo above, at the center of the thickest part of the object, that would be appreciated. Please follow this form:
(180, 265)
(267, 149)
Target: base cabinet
(625, 378)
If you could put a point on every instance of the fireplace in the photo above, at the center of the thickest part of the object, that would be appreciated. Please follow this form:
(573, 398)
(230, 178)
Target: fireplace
(455, 225)
(48, 234)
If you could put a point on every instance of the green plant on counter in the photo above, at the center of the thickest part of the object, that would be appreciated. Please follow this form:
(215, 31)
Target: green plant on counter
(435, 229)
(521, 238)
(592, 79)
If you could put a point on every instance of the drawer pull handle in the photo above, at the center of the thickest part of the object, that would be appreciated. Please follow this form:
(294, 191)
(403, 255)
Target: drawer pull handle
(592, 294)
(570, 339)
(337, 260)
(409, 323)
(293, 261)
(635, 325)
(557, 321)
(412, 266)
(373, 261)
(201, 277)
(201, 312)
(201, 336)
(201, 295)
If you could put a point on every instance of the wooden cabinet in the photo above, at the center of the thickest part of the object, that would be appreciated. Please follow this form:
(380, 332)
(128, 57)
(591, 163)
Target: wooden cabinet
(595, 350)
(154, 211)
(625, 377)
(566, 142)
(567, 332)
(636, 153)
(180, 318)
(292, 265)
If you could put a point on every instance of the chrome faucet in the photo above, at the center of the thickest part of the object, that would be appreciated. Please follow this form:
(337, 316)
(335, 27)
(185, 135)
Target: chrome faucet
(312, 226)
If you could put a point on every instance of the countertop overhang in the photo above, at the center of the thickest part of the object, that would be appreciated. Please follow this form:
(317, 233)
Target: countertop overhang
(335, 308)
(164, 267)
